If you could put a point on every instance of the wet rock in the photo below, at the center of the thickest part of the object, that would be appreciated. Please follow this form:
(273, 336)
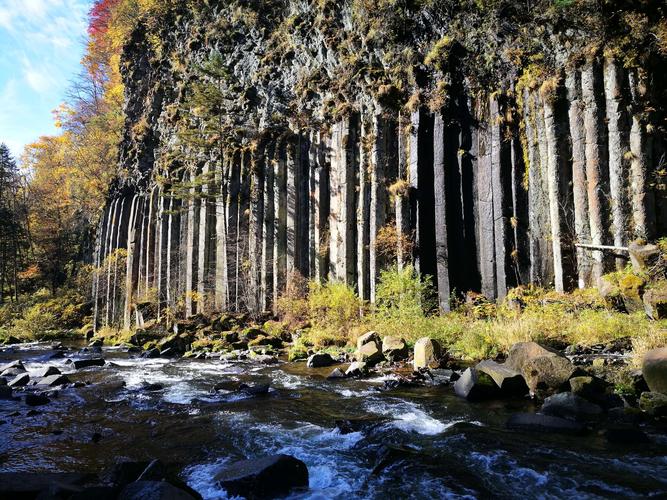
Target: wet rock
(395, 348)
(5, 392)
(536, 422)
(36, 400)
(653, 403)
(20, 380)
(547, 372)
(476, 386)
(153, 490)
(95, 493)
(46, 372)
(522, 352)
(79, 364)
(336, 374)
(391, 454)
(571, 406)
(96, 343)
(356, 369)
(654, 369)
(153, 353)
(427, 353)
(319, 360)
(24, 485)
(510, 382)
(11, 373)
(399, 382)
(627, 436)
(14, 365)
(254, 390)
(57, 355)
(265, 477)
(148, 387)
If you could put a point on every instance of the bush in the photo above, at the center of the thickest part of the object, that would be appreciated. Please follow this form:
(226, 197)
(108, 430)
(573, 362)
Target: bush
(36, 323)
(334, 307)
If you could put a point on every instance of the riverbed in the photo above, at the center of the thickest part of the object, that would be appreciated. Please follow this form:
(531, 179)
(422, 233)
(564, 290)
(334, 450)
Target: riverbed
(357, 439)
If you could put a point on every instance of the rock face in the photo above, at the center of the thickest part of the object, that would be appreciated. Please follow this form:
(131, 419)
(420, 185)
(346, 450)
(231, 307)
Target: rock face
(395, 349)
(510, 382)
(54, 380)
(319, 360)
(20, 380)
(428, 353)
(265, 477)
(654, 369)
(475, 385)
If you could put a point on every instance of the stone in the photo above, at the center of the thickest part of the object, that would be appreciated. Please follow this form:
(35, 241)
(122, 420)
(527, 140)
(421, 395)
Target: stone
(654, 369)
(370, 353)
(20, 380)
(255, 390)
(356, 369)
(369, 337)
(153, 490)
(427, 353)
(653, 403)
(54, 380)
(5, 392)
(591, 388)
(36, 400)
(79, 364)
(265, 477)
(14, 365)
(626, 436)
(336, 373)
(395, 348)
(319, 360)
(46, 372)
(655, 303)
(571, 406)
(536, 422)
(96, 492)
(521, 352)
(547, 372)
(510, 382)
(20, 485)
(151, 353)
(96, 343)
(474, 385)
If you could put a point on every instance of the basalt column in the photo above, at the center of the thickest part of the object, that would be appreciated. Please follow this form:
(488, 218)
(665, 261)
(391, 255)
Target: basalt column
(400, 194)
(222, 234)
(268, 221)
(320, 207)
(363, 236)
(256, 227)
(440, 209)
(280, 220)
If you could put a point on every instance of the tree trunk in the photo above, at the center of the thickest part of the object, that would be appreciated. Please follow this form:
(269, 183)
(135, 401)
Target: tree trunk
(221, 275)
(268, 229)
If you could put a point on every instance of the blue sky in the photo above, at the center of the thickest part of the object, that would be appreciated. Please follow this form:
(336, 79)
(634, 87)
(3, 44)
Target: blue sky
(41, 44)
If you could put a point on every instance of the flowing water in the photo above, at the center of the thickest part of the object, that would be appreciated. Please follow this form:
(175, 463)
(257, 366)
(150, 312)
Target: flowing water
(418, 442)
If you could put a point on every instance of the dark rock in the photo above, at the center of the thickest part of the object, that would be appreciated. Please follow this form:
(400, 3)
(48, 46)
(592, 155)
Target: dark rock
(151, 353)
(255, 390)
(654, 369)
(535, 422)
(319, 360)
(591, 388)
(274, 342)
(36, 400)
(510, 382)
(653, 403)
(152, 387)
(571, 406)
(20, 380)
(95, 493)
(46, 372)
(57, 355)
(24, 485)
(96, 437)
(628, 436)
(391, 454)
(395, 348)
(14, 365)
(96, 343)
(5, 392)
(86, 363)
(476, 386)
(3, 381)
(124, 473)
(336, 374)
(153, 490)
(265, 477)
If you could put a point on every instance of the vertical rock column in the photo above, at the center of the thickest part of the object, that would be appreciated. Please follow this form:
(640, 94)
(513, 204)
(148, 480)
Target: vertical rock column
(440, 208)
(191, 253)
(401, 201)
(222, 235)
(268, 228)
(280, 220)
(130, 276)
(256, 227)
(363, 235)
(321, 208)
(378, 191)
(204, 241)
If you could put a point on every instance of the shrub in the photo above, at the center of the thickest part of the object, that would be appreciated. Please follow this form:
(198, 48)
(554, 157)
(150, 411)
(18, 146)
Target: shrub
(333, 306)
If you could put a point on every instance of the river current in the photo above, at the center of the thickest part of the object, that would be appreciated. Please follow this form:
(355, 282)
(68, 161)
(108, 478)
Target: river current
(358, 440)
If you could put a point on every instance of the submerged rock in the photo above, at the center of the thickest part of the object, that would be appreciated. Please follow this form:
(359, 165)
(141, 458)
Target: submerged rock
(153, 490)
(474, 385)
(265, 477)
(319, 360)
(427, 353)
(571, 406)
(536, 422)
(54, 380)
(654, 369)
(36, 400)
(46, 372)
(79, 364)
(509, 381)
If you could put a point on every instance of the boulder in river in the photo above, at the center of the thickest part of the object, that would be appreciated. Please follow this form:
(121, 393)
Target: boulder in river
(653, 403)
(588, 387)
(547, 372)
(255, 390)
(265, 477)
(14, 365)
(522, 352)
(5, 392)
(54, 380)
(36, 400)
(153, 490)
(369, 348)
(395, 348)
(20, 380)
(369, 337)
(3, 381)
(571, 406)
(428, 353)
(46, 372)
(510, 382)
(79, 364)
(319, 360)
(356, 369)
(476, 386)
(536, 422)
(20, 485)
(654, 369)
(336, 374)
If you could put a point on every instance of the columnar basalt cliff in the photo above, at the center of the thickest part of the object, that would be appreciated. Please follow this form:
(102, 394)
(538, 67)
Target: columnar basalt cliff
(268, 140)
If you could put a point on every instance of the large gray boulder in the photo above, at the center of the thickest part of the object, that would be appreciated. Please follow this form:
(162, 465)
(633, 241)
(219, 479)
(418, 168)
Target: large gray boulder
(265, 477)
(395, 348)
(20, 380)
(153, 490)
(654, 369)
(547, 372)
(46, 372)
(14, 365)
(475, 385)
(369, 349)
(319, 360)
(369, 337)
(54, 381)
(509, 381)
(571, 406)
(428, 353)
(522, 352)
